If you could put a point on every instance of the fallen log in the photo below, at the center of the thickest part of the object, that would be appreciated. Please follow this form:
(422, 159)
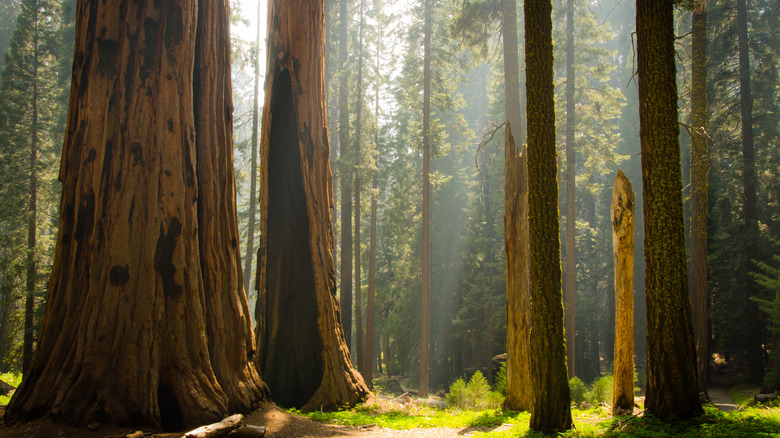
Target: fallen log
(248, 431)
(214, 430)
(762, 398)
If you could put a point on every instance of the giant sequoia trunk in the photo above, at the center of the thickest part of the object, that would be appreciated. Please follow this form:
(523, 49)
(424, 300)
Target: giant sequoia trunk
(551, 410)
(671, 357)
(301, 347)
(622, 215)
(147, 320)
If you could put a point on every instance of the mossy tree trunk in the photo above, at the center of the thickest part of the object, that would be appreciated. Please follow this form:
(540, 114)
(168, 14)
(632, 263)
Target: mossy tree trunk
(301, 348)
(147, 320)
(699, 193)
(671, 355)
(551, 410)
(622, 215)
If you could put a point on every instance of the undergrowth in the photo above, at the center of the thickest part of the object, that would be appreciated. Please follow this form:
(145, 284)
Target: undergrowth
(758, 421)
(392, 415)
(13, 379)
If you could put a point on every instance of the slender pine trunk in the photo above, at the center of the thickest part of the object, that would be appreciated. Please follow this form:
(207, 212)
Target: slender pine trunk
(359, 353)
(32, 210)
(250, 234)
(699, 192)
(425, 332)
(749, 206)
(345, 181)
(571, 167)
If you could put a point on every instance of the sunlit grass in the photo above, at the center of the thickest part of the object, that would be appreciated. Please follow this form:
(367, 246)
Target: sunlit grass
(391, 415)
(13, 379)
(743, 394)
(755, 421)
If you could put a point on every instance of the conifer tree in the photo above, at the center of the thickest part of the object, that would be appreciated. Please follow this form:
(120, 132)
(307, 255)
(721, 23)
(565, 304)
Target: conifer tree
(28, 133)
(551, 410)
(671, 359)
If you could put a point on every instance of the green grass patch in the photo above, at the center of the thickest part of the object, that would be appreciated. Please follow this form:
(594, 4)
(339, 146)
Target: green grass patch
(411, 416)
(13, 379)
(743, 394)
(759, 421)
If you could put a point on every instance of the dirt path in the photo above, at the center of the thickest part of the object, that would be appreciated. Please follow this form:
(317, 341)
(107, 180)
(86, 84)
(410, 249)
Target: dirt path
(720, 398)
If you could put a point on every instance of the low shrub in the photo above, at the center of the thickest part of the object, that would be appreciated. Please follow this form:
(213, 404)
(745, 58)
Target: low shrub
(474, 395)
(577, 390)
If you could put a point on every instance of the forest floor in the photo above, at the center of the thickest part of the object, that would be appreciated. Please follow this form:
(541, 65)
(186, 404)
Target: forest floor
(279, 424)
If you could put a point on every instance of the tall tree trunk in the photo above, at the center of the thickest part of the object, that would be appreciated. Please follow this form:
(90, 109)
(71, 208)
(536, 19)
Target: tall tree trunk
(250, 234)
(345, 181)
(671, 357)
(551, 410)
(302, 351)
(231, 342)
(425, 332)
(9, 307)
(699, 192)
(749, 208)
(490, 262)
(139, 272)
(32, 210)
(518, 292)
(622, 215)
(359, 351)
(571, 168)
(367, 374)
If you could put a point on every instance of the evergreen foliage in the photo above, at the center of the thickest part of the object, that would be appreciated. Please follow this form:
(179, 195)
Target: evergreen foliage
(33, 89)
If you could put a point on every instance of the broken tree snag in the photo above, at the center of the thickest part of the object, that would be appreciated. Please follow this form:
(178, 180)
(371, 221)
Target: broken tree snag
(622, 215)
(518, 292)
(126, 337)
(222, 428)
(301, 349)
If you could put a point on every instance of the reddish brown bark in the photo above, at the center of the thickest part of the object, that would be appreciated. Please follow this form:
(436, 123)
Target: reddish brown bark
(146, 318)
(302, 352)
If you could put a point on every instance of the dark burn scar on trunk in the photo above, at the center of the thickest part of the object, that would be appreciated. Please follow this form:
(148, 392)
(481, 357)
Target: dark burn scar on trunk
(163, 258)
(85, 217)
(150, 48)
(136, 152)
(108, 53)
(174, 28)
(120, 275)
